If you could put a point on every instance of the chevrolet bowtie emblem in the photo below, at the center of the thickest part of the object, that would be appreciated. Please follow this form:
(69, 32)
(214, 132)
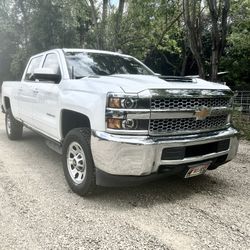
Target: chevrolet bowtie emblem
(202, 113)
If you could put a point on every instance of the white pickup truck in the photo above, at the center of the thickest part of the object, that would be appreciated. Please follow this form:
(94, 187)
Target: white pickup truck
(118, 123)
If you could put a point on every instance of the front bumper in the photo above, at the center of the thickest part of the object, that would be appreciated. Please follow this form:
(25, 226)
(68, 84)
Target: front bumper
(141, 156)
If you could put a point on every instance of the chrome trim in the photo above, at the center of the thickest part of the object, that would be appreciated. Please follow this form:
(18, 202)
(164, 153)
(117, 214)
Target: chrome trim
(186, 113)
(127, 132)
(141, 155)
(158, 114)
(188, 132)
(192, 93)
(121, 95)
(145, 94)
(150, 114)
(140, 114)
(193, 159)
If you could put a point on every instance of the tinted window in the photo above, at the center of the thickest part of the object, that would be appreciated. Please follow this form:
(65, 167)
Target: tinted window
(34, 64)
(51, 62)
(82, 64)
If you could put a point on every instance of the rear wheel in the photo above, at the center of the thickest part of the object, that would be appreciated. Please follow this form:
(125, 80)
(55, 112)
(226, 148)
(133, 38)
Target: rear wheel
(78, 165)
(14, 128)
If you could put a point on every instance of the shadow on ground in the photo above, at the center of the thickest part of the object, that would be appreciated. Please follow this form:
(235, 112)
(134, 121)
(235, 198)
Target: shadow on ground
(168, 190)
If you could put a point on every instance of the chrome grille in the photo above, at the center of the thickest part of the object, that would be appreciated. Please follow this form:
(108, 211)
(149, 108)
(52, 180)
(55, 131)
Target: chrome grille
(175, 125)
(188, 103)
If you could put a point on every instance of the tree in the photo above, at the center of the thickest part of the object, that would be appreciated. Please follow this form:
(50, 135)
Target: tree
(193, 19)
(118, 20)
(200, 17)
(236, 59)
(218, 10)
(174, 37)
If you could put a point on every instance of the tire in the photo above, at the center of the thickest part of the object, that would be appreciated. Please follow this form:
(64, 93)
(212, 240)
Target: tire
(14, 128)
(78, 164)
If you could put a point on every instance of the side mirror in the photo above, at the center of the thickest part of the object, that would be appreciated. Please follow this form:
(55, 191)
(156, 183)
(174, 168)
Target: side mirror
(46, 74)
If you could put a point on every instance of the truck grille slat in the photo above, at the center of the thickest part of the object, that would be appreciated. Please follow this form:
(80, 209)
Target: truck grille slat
(159, 126)
(188, 103)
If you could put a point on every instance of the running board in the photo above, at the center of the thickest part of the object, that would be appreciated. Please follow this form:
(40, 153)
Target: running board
(55, 146)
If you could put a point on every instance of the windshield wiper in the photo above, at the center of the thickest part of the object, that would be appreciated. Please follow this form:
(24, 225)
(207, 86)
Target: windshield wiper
(90, 76)
(79, 77)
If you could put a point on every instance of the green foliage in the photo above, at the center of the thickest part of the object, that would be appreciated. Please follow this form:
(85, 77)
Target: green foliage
(242, 122)
(151, 30)
(237, 57)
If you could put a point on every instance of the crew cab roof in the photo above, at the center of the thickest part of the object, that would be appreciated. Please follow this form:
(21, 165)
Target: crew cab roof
(68, 50)
(93, 51)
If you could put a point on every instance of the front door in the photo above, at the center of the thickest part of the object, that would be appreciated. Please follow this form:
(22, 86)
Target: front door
(46, 108)
(27, 93)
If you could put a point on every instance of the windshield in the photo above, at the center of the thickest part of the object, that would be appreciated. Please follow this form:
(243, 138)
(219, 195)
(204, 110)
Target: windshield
(81, 64)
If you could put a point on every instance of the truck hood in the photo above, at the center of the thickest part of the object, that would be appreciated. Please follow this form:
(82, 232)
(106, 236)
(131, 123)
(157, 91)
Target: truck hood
(138, 83)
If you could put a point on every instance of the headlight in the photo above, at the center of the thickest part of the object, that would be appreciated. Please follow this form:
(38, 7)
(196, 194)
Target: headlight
(118, 102)
(127, 113)
(128, 103)
(124, 101)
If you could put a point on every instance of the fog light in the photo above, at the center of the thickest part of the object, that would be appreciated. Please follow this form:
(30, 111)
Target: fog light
(129, 124)
(114, 123)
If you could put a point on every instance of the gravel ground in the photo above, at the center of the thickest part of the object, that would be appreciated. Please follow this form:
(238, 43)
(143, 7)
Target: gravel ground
(39, 211)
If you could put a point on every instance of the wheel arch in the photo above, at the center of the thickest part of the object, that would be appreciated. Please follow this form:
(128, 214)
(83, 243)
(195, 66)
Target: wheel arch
(6, 103)
(71, 119)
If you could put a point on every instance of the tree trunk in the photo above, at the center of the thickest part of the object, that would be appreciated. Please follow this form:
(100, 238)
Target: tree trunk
(218, 10)
(25, 22)
(192, 11)
(118, 23)
(214, 65)
(185, 54)
(94, 21)
(104, 23)
(184, 64)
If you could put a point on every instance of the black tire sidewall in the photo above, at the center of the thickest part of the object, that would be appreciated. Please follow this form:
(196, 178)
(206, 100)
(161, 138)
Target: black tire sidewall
(81, 136)
(7, 115)
(16, 127)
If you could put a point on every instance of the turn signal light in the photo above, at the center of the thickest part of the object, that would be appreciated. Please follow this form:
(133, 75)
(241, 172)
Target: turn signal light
(114, 102)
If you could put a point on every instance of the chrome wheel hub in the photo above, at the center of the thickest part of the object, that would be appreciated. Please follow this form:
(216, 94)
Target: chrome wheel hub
(76, 162)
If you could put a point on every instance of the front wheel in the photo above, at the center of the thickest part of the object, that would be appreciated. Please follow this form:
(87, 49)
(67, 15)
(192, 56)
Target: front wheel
(78, 165)
(14, 128)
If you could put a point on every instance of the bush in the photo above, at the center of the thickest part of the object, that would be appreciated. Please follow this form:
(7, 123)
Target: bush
(241, 121)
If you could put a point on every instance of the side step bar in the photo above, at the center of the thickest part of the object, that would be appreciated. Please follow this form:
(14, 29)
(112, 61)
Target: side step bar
(55, 146)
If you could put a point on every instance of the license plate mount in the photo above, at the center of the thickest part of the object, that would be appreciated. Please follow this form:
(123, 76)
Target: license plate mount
(197, 169)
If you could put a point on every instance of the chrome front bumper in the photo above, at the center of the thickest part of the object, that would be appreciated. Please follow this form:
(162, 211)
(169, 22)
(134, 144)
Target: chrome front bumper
(141, 155)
